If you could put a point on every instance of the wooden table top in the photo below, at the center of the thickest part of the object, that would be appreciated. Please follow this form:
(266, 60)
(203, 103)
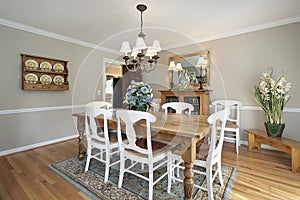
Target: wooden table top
(184, 125)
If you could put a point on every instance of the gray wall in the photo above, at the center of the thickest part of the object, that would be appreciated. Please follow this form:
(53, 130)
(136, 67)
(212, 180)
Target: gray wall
(28, 128)
(237, 63)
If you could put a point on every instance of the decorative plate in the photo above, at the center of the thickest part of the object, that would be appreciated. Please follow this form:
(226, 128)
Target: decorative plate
(58, 80)
(46, 66)
(45, 79)
(31, 78)
(58, 67)
(31, 64)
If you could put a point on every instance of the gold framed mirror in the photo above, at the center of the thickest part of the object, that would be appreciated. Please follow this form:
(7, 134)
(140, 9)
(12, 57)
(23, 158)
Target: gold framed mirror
(195, 65)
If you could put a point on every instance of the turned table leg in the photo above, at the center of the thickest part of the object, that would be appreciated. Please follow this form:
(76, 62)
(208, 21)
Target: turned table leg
(189, 157)
(81, 137)
(188, 182)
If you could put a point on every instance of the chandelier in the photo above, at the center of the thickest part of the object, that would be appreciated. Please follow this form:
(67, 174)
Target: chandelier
(135, 59)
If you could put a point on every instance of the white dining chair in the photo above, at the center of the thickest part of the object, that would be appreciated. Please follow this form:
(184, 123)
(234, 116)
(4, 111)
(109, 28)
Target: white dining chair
(179, 107)
(155, 105)
(98, 137)
(205, 157)
(232, 128)
(156, 159)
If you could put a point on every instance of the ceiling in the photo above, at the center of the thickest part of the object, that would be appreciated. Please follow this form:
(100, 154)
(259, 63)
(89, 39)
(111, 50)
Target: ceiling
(174, 22)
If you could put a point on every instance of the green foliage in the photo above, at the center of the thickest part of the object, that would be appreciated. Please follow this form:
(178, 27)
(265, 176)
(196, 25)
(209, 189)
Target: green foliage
(272, 96)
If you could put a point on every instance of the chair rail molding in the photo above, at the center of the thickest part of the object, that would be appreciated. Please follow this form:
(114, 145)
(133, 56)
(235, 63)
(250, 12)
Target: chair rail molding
(40, 109)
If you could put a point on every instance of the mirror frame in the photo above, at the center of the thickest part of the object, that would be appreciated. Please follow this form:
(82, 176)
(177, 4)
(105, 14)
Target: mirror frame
(207, 83)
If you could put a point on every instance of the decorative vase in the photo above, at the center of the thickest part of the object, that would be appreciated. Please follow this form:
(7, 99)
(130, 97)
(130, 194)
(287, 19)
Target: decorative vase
(274, 130)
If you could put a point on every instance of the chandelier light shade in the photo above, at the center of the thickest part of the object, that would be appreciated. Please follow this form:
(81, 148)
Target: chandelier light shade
(172, 65)
(178, 67)
(141, 58)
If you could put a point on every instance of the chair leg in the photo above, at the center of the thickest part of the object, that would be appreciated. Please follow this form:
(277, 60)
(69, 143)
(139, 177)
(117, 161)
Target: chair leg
(143, 166)
(209, 182)
(150, 181)
(121, 175)
(101, 154)
(88, 159)
(170, 172)
(237, 141)
(219, 171)
(107, 163)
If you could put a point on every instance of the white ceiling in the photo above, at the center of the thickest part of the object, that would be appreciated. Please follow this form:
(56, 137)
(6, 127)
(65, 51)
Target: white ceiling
(173, 22)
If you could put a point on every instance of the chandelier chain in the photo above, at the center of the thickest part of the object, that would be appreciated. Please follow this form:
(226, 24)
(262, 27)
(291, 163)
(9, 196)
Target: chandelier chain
(142, 22)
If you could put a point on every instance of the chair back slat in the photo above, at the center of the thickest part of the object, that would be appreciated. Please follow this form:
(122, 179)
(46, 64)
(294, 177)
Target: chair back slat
(93, 110)
(179, 107)
(232, 105)
(130, 118)
(216, 143)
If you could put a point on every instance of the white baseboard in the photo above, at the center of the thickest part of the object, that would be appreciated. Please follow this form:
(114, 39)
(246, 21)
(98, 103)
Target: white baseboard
(32, 146)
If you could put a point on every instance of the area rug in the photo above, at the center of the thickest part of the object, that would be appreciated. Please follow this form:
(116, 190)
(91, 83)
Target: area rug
(133, 188)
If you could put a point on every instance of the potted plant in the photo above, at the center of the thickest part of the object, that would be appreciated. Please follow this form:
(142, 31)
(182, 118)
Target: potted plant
(138, 96)
(272, 96)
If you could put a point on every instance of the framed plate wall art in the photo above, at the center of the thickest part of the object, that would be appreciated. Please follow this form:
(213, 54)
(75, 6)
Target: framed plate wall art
(41, 73)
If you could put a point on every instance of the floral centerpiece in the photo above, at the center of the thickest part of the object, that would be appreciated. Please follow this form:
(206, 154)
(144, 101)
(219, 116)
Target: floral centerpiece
(272, 96)
(138, 96)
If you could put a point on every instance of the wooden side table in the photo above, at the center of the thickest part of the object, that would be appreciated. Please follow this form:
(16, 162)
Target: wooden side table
(292, 147)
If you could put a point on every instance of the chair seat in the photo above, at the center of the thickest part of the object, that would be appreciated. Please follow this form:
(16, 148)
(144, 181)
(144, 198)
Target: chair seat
(231, 125)
(142, 143)
(157, 148)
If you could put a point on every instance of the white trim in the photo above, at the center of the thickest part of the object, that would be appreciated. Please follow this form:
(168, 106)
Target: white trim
(32, 146)
(26, 110)
(38, 31)
(254, 28)
(50, 34)
(289, 110)
(40, 109)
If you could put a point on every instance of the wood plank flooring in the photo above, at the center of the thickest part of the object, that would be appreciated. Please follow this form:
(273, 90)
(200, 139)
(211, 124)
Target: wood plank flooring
(262, 174)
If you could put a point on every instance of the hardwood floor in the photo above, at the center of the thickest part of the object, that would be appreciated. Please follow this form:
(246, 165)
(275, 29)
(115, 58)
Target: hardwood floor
(262, 174)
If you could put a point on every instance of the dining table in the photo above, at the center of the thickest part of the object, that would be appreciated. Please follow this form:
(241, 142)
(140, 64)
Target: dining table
(182, 129)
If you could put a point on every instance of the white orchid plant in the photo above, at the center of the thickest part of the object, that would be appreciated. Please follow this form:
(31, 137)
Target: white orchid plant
(272, 96)
(139, 96)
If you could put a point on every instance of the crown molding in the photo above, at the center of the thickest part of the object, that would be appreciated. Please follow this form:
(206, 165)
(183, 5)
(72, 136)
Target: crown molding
(50, 34)
(254, 28)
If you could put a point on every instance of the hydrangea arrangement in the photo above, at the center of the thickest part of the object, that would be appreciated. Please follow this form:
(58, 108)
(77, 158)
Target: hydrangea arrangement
(139, 96)
(272, 96)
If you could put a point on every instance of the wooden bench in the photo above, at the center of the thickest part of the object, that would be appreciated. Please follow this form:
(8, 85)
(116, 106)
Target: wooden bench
(292, 147)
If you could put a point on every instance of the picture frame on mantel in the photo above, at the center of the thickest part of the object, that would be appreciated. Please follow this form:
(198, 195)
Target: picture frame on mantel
(41, 73)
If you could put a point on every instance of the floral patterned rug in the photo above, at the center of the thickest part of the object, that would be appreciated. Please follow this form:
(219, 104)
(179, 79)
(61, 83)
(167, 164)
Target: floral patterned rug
(133, 188)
